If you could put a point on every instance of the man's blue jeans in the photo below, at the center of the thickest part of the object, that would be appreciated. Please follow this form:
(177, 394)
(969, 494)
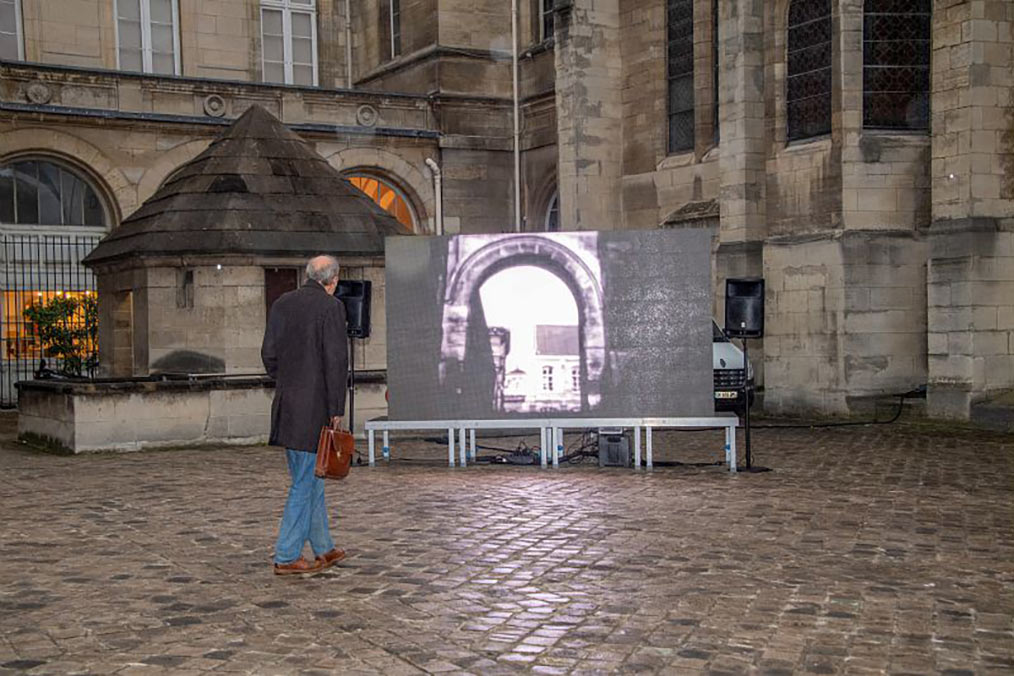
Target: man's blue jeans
(305, 516)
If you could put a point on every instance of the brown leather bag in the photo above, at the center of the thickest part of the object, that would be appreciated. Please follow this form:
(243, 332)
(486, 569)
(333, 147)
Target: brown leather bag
(334, 451)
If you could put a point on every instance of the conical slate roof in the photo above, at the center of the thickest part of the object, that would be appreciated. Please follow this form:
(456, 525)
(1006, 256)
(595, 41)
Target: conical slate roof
(258, 189)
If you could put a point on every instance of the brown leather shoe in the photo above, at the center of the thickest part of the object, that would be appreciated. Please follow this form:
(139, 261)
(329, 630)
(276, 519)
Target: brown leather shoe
(298, 567)
(328, 559)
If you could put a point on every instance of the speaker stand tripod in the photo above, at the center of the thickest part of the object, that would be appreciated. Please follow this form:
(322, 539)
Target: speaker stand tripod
(352, 383)
(747, 388)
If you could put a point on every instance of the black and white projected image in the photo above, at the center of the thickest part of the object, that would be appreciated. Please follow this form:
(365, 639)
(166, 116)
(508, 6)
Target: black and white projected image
(538, 299)
(568, 324)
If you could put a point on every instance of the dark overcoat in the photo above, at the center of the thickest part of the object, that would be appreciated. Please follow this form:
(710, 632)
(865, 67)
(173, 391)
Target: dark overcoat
(305, 350)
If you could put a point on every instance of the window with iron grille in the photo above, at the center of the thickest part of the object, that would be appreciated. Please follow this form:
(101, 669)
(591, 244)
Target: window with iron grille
(896, 63)
(808, 87)
(714, 70)
(680, 69)
(51, 217)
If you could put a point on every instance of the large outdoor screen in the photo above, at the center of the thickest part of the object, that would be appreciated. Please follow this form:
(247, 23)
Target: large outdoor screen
(577, 324)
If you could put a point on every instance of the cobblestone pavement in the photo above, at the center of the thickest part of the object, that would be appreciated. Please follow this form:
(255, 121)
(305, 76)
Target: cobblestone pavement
(868, 550)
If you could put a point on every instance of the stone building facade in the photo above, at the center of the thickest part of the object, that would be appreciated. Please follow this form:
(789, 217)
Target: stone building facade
(859, 154)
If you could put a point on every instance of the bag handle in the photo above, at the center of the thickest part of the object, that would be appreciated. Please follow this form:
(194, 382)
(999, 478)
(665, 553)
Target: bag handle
(336, 423)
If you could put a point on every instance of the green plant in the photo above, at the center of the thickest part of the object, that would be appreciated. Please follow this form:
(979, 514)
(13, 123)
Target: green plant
(67, 326)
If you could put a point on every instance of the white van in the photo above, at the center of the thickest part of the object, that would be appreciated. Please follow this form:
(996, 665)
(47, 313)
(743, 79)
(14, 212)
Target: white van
(727, 362)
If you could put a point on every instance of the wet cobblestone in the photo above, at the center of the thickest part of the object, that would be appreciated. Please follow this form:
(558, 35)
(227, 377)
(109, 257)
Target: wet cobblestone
(868, 550)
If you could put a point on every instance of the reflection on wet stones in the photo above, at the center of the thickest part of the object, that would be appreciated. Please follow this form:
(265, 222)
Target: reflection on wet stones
(183, 621)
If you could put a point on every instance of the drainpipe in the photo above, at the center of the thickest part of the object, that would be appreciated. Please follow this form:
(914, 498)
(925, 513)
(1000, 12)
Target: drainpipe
(517, 121)
(438, 224)
(348, 44)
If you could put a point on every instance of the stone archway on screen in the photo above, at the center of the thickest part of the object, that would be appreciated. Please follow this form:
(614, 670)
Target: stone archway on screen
(572, 257)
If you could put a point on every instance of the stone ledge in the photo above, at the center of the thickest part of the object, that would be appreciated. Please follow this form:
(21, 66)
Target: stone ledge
(165, 383)
(137, 413)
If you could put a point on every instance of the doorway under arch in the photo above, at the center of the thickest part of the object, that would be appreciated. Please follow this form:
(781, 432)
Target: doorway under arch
(571, 257)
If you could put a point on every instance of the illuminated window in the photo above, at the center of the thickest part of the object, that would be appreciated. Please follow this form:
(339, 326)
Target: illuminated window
(39, 192)
(896, 63)
(146, 37)
(50, 218)
(808, 89)
(12, 47)
(547, 378)
(387, 196)
(289, 41)
(20, 336)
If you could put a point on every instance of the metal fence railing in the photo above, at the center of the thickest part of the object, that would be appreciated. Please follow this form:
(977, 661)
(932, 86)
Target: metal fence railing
(38, 270)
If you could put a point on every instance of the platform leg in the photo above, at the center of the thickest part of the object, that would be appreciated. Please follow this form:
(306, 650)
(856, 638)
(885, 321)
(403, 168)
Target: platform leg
(471, 443)
(647, 447)
(450, 447)
(369, 444)
(385, 449)
(730, 435)
(543, 446)
(557, 446)
(637, 448)
(462, 447)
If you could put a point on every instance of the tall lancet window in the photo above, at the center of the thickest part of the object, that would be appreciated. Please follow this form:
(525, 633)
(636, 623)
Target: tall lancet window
(896, 63)
(680, 73)
(808, 88)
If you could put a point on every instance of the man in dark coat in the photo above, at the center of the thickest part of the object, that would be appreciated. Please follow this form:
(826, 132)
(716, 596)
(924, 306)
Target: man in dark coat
(305, 351)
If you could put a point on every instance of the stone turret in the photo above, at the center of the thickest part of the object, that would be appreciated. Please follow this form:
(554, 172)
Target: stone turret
(184, 282)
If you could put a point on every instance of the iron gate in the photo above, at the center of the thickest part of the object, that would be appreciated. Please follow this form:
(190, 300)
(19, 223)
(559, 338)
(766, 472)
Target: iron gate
(37, 270)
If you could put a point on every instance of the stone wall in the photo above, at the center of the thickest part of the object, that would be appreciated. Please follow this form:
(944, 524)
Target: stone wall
(589, 114)
(77, 33)
(131, 415)
(202, 316)
(184, 319)
(971, 267)
(846, 311)
(971, 311)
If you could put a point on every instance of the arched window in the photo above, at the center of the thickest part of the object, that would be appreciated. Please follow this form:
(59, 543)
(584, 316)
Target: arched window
(896, 63)
(808, 88)
(553, 213)
(40, 192)
(50, 218)
(387, 195)
(680, 73)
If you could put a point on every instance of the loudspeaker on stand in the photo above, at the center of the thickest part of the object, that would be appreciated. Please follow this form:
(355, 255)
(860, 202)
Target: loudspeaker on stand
(744, 307)
(355, 294)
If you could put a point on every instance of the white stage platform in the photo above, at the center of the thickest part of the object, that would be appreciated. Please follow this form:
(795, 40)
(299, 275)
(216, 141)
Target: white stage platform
(551, 433)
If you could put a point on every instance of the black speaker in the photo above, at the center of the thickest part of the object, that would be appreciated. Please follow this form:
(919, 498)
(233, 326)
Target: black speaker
(744, 307)
(355, 295)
